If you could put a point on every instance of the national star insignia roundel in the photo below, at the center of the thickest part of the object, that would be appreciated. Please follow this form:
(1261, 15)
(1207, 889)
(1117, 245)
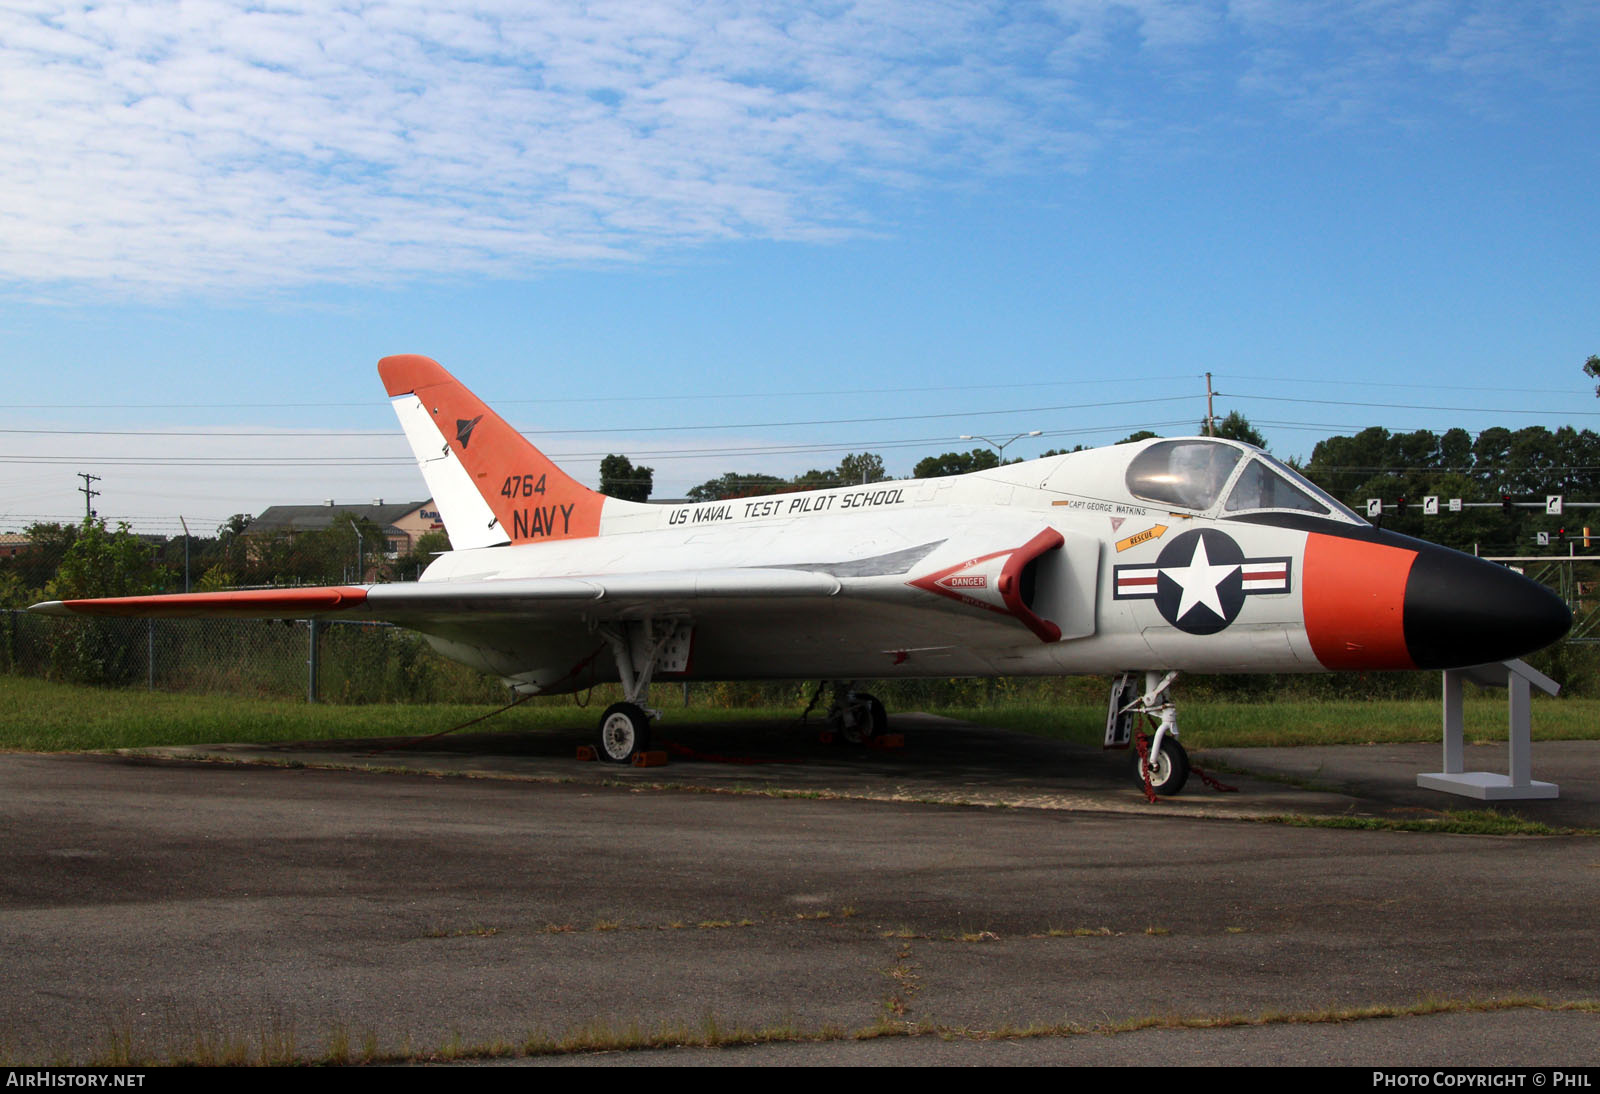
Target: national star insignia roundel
(1200, 579)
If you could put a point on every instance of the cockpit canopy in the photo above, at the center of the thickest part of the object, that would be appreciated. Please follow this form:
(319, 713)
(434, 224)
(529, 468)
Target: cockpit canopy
(1192, 473)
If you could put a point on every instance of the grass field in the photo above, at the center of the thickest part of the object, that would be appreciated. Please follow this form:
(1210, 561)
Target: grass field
(40, 716)
(1244, 725)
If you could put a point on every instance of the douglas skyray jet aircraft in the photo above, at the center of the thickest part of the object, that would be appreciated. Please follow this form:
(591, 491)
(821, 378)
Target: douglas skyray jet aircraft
(1160, 557)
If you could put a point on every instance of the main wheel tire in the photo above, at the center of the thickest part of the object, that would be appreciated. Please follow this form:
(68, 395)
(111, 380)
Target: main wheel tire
(1171, 770)
(624, 733)
(870, 720)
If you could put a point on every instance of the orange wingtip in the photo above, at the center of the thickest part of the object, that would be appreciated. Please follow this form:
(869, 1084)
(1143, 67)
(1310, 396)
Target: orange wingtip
(244, 602)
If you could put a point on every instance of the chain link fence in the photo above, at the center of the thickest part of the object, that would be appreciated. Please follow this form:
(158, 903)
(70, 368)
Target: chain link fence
(354, 662)
(381, 663)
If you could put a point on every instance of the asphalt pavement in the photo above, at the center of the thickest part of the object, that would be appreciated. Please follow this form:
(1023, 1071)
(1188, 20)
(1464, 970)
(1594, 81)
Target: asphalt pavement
(974, 897)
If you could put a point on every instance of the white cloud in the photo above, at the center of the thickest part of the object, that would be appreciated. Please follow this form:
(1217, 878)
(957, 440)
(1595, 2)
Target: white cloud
(173, 145)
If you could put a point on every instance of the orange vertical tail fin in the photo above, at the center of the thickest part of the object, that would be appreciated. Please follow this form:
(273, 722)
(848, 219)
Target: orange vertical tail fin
(492, 486)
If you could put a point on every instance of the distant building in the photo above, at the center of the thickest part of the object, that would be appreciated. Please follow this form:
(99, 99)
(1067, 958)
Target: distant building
(13, 544)
(403, 523)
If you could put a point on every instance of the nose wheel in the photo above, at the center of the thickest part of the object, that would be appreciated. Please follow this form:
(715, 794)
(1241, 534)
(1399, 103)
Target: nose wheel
(1169, 771)
(1160, 764)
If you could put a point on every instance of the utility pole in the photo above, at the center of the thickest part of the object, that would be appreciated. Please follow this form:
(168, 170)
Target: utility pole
(1211, 418)
(89, 494)
(185, 552)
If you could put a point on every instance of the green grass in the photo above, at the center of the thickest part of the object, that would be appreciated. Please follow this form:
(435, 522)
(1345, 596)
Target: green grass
(1243, 725)
(42, 716)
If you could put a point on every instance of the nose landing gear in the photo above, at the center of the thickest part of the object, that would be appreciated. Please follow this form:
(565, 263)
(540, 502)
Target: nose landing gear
(1160, 763)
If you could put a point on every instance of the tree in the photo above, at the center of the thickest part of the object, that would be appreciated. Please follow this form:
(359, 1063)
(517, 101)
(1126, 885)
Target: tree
(231, 541)
(955, 463)
(102, 563)
(1591, 368)
(815, 479)
(429, 545)
(732, 484)
(858, 468)
(853, 470)
(619, 478)
(27, 572)
(1142, 435)
(1236, 427)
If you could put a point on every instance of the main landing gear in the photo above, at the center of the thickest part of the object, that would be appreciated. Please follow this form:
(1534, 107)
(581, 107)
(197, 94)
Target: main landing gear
(1160, 764)
(639, 646)
(624, 732)
(854, 716)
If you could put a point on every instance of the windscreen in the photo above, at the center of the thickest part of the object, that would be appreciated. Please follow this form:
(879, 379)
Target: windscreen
(1188, 473)
(1260, 487)
(1267, 484)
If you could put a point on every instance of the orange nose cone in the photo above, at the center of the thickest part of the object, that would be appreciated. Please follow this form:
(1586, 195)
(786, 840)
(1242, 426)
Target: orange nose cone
(1383, 601)
(1354, 595)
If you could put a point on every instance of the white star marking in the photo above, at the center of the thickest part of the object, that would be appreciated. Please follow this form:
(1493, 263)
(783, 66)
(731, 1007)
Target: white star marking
(1199, 581)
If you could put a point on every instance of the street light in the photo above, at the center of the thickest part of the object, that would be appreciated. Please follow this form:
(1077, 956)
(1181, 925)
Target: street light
(999, 445)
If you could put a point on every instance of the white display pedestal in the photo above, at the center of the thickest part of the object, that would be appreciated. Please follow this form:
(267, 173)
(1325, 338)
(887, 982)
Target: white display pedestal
(1519, 679)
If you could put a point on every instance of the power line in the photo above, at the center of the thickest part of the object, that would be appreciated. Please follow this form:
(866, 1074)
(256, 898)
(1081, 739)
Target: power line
(1417, 406)
(559, 456)
(826, 392)
(615, 429)
(1423, 386)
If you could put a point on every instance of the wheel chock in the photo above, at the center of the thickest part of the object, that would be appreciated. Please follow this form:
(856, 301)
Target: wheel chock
(657, 758)
(587, 753)
(887, 741)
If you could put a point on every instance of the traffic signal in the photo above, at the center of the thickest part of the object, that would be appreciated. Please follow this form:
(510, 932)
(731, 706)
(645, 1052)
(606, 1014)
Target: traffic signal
(1505, 503)
(1401, 505)
(1561, 535)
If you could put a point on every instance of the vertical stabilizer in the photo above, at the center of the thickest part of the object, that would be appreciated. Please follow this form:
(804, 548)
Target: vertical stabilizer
(491, 485)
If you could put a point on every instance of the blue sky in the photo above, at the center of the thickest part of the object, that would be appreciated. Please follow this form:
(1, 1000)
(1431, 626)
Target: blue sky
(727, 236)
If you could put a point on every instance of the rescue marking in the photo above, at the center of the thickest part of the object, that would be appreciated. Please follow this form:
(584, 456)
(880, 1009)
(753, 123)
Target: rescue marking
(1153, 532)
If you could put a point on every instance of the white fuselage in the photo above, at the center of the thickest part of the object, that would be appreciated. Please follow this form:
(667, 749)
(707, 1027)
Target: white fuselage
(861, 630)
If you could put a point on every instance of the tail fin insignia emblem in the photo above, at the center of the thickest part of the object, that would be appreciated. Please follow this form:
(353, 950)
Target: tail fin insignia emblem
(464, 428)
